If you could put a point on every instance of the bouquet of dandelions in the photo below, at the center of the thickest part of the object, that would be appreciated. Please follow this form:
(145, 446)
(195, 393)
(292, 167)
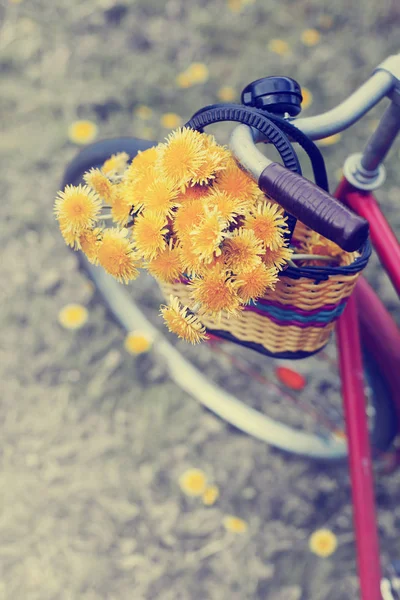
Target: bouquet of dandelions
(183, 210)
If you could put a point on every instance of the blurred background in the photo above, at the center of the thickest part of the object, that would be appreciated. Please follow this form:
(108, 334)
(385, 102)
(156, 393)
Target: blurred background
(98, 499)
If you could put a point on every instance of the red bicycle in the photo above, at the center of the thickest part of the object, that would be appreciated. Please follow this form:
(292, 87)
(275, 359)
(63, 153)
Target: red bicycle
(368, 339)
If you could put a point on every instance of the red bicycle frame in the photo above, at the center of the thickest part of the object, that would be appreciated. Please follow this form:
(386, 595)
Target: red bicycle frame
(366, 317)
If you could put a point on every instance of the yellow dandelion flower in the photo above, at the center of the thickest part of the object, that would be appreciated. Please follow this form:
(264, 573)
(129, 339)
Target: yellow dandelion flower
(310, 37)
(193, 482)
(213, 163)
(216, 292)
(116, 164)
(121, 206)
(330, 140)
(216, 159)
(277, 258)
(226, 93)
(181, 321)
(208, 235)
(317, 244)
(307, 98)
(210, 495)
(115, 254)
(227, 205)
(161, 196)
(188, 216)
(82, 132)
(148, 234)
(142, 163)
(191, 264)
(134, 190)
(70, 238)
(183, 80)
(234, 524)
(194, 192)
(167, 265)
(171, 120)
(89, 242)
(279, 47)
(138, 342)
(146, 158)
(73, 316)
(143, 112)
(198, 72)
(269, 224)
(217, 261)
(100, 184)
(210, 143)
(235, 182)
(78, 207)
(242, 251)
(253, 284)
(182, 155)
(323, 542)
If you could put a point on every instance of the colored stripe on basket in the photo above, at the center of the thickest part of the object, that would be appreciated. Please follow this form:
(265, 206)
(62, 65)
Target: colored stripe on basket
(300, 311)
(288, 316)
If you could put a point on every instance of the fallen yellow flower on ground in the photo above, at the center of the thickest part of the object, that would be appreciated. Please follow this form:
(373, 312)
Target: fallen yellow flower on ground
(226, 93)
(279, 47)
(323, 542)
(234, 524)
(73, 316)
(143, 112)
(138, 342)
(183, 80)
(197, 72)
(193, 482)
(310, 37)
(82, 132)
(307, 98)
(170, 120)
(210, 495)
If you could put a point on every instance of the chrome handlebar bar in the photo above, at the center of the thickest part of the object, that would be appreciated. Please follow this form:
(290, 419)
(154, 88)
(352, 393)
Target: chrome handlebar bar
(350, 110)
(385, 81)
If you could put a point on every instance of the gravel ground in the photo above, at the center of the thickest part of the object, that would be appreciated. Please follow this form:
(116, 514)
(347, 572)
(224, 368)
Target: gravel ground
(94, 440)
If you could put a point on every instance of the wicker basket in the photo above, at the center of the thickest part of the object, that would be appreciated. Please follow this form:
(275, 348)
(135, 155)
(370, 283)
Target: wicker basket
(297, 318)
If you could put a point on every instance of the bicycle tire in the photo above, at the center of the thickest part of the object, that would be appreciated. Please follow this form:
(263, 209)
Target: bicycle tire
(190, 379)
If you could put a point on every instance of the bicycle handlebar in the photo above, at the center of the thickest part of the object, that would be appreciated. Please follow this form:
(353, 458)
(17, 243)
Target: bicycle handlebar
(384, 80)
(301, 198)
(350, 110)
(314, 207)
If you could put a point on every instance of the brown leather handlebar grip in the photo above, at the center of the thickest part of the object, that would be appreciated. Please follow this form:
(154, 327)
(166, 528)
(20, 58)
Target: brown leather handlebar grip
(314, 207)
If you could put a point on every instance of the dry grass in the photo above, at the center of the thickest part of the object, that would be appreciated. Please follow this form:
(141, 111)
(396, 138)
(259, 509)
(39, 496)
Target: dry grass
(94, 441)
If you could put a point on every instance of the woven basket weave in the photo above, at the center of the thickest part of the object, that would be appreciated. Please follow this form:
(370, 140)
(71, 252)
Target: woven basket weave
(297, 318)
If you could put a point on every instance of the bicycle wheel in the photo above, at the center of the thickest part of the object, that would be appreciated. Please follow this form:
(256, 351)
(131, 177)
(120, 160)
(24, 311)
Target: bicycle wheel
(251, 392)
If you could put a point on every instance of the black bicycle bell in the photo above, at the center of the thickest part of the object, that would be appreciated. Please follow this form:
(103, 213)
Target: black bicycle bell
(277, 95)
